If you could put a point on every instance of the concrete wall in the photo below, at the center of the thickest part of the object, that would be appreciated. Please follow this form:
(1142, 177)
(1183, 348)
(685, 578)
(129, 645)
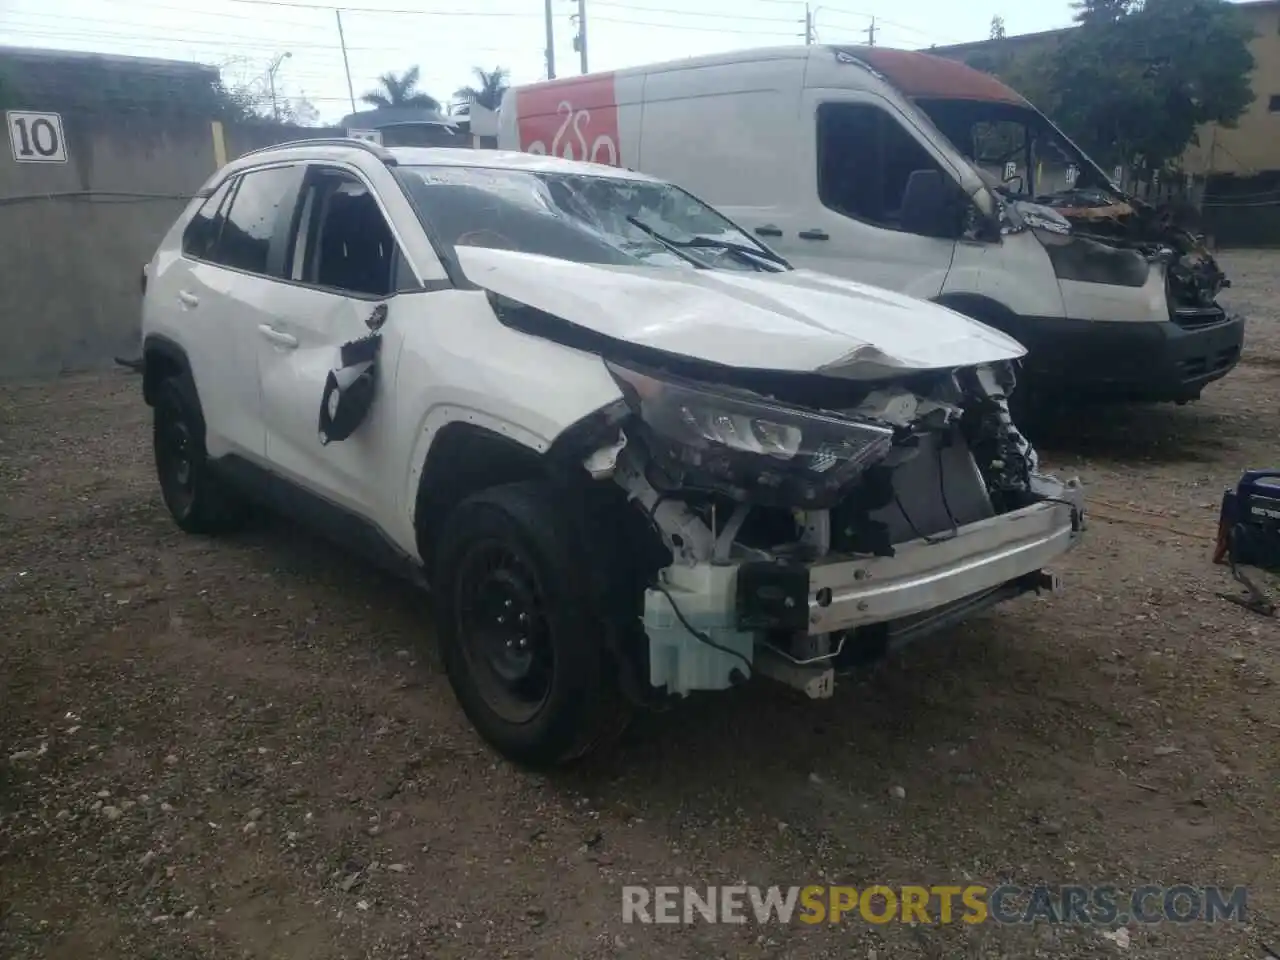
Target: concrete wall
(74, 235)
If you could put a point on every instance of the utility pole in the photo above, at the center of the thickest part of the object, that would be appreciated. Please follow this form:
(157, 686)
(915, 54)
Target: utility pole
(871, 33)
(551, 44)
(808, 25)
(271, 79)
(346, 64)
(581, 42)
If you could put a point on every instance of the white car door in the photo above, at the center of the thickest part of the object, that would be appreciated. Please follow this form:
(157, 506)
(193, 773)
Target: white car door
(343, 263)
(854, 171)
(215, 285)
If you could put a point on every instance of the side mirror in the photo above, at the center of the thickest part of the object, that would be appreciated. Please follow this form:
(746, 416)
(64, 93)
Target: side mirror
(929, 206)
(349, 388)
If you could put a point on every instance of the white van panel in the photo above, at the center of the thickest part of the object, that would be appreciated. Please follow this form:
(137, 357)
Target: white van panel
(723, 131)
(1015, 273)
(824, 72)
(1102, 301)
(822, 238)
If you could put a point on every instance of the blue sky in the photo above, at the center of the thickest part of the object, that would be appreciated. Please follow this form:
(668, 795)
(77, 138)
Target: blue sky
(446, 38)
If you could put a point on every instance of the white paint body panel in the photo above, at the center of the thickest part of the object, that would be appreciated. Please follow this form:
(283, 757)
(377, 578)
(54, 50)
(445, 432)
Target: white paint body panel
(219, 340)
(1015, 272)
(445, 358)
(796, 321)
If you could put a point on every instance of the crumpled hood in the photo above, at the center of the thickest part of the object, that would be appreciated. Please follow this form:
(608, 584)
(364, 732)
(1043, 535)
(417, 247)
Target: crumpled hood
(799, 321)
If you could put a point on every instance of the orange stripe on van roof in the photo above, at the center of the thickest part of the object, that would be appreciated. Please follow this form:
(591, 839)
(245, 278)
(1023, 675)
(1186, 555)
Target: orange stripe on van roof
(925, 75)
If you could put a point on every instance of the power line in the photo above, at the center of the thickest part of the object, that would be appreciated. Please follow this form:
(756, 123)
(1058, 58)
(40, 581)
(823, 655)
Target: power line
(842, 12)
(330, 7)
(679, 26)
(216, 41)
(98, 21)
(608, 4)
(688, 13)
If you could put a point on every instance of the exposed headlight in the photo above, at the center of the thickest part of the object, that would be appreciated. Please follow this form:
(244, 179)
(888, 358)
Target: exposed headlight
(737, 440)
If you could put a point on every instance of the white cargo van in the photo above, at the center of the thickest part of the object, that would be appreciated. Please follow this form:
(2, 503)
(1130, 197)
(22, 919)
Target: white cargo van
(917, 173)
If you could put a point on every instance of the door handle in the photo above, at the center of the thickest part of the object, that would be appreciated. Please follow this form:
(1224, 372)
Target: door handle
(768, 230)
(813, 235)
(276, 337)
(188, 299)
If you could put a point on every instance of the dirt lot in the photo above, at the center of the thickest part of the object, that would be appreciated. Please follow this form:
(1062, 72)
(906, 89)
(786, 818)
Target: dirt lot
(245, 748)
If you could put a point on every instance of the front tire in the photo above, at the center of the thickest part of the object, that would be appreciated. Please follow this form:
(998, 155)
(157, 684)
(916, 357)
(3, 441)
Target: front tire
(198, 500)
(521, 635)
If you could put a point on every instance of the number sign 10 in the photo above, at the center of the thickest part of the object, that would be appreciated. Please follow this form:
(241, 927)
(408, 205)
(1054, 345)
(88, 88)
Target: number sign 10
(36, 137)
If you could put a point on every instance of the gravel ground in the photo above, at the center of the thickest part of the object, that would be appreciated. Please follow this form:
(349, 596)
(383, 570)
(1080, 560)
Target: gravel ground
(246, 748)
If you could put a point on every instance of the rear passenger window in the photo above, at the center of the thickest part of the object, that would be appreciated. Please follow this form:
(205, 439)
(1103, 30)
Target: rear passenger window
(201, 235)
(254, 217)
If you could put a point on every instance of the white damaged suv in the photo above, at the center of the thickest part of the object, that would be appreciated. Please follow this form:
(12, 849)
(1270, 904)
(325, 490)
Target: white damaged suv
(633, 453)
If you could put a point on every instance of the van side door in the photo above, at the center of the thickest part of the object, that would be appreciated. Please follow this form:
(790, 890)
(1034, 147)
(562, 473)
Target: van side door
(876, 204)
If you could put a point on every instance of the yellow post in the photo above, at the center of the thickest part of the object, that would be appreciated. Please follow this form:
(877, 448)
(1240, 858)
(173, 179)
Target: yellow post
(219, 145)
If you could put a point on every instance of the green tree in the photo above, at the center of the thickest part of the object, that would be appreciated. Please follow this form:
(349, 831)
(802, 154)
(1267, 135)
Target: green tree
(997, 28)
(1134, 83)
(1102, 11)
(491, 85)
(401, 91)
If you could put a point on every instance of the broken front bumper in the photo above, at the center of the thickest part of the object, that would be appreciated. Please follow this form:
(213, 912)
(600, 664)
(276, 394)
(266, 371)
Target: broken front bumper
(922, 576)
(709, 620)
(1141, 361)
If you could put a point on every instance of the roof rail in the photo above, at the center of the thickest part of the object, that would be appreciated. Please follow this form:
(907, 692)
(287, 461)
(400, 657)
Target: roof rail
(379, 151)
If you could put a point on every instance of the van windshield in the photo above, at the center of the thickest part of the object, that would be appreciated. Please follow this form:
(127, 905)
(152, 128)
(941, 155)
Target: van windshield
(1015, 148)
(585, 219)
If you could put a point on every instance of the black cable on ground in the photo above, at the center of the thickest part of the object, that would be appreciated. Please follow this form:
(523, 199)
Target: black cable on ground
(698, 634)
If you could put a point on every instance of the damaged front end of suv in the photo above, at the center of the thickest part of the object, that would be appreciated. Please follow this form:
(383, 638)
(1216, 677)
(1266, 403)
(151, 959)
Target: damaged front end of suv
(809, 524)
(770, 470)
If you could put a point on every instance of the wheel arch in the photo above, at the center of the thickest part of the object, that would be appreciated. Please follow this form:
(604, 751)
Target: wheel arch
(466, 456)
(161, 358)
(982, 308)
(463, 459)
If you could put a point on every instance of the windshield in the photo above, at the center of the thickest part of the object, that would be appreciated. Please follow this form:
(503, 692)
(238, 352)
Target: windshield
(586, 219)
(1014, 148)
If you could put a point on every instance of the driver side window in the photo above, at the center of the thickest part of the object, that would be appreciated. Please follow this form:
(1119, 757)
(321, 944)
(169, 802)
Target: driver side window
(865, 162)
(342, 242)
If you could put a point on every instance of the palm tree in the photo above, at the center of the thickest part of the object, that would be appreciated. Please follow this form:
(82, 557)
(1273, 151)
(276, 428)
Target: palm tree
(400, 91)
(492, 85)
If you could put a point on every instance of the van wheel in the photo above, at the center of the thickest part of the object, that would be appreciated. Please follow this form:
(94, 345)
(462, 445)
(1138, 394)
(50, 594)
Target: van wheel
(198, 500)
(521, 636)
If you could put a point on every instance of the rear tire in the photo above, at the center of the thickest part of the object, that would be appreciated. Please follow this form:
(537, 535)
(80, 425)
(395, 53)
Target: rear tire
(522, 635)
(198, 499)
